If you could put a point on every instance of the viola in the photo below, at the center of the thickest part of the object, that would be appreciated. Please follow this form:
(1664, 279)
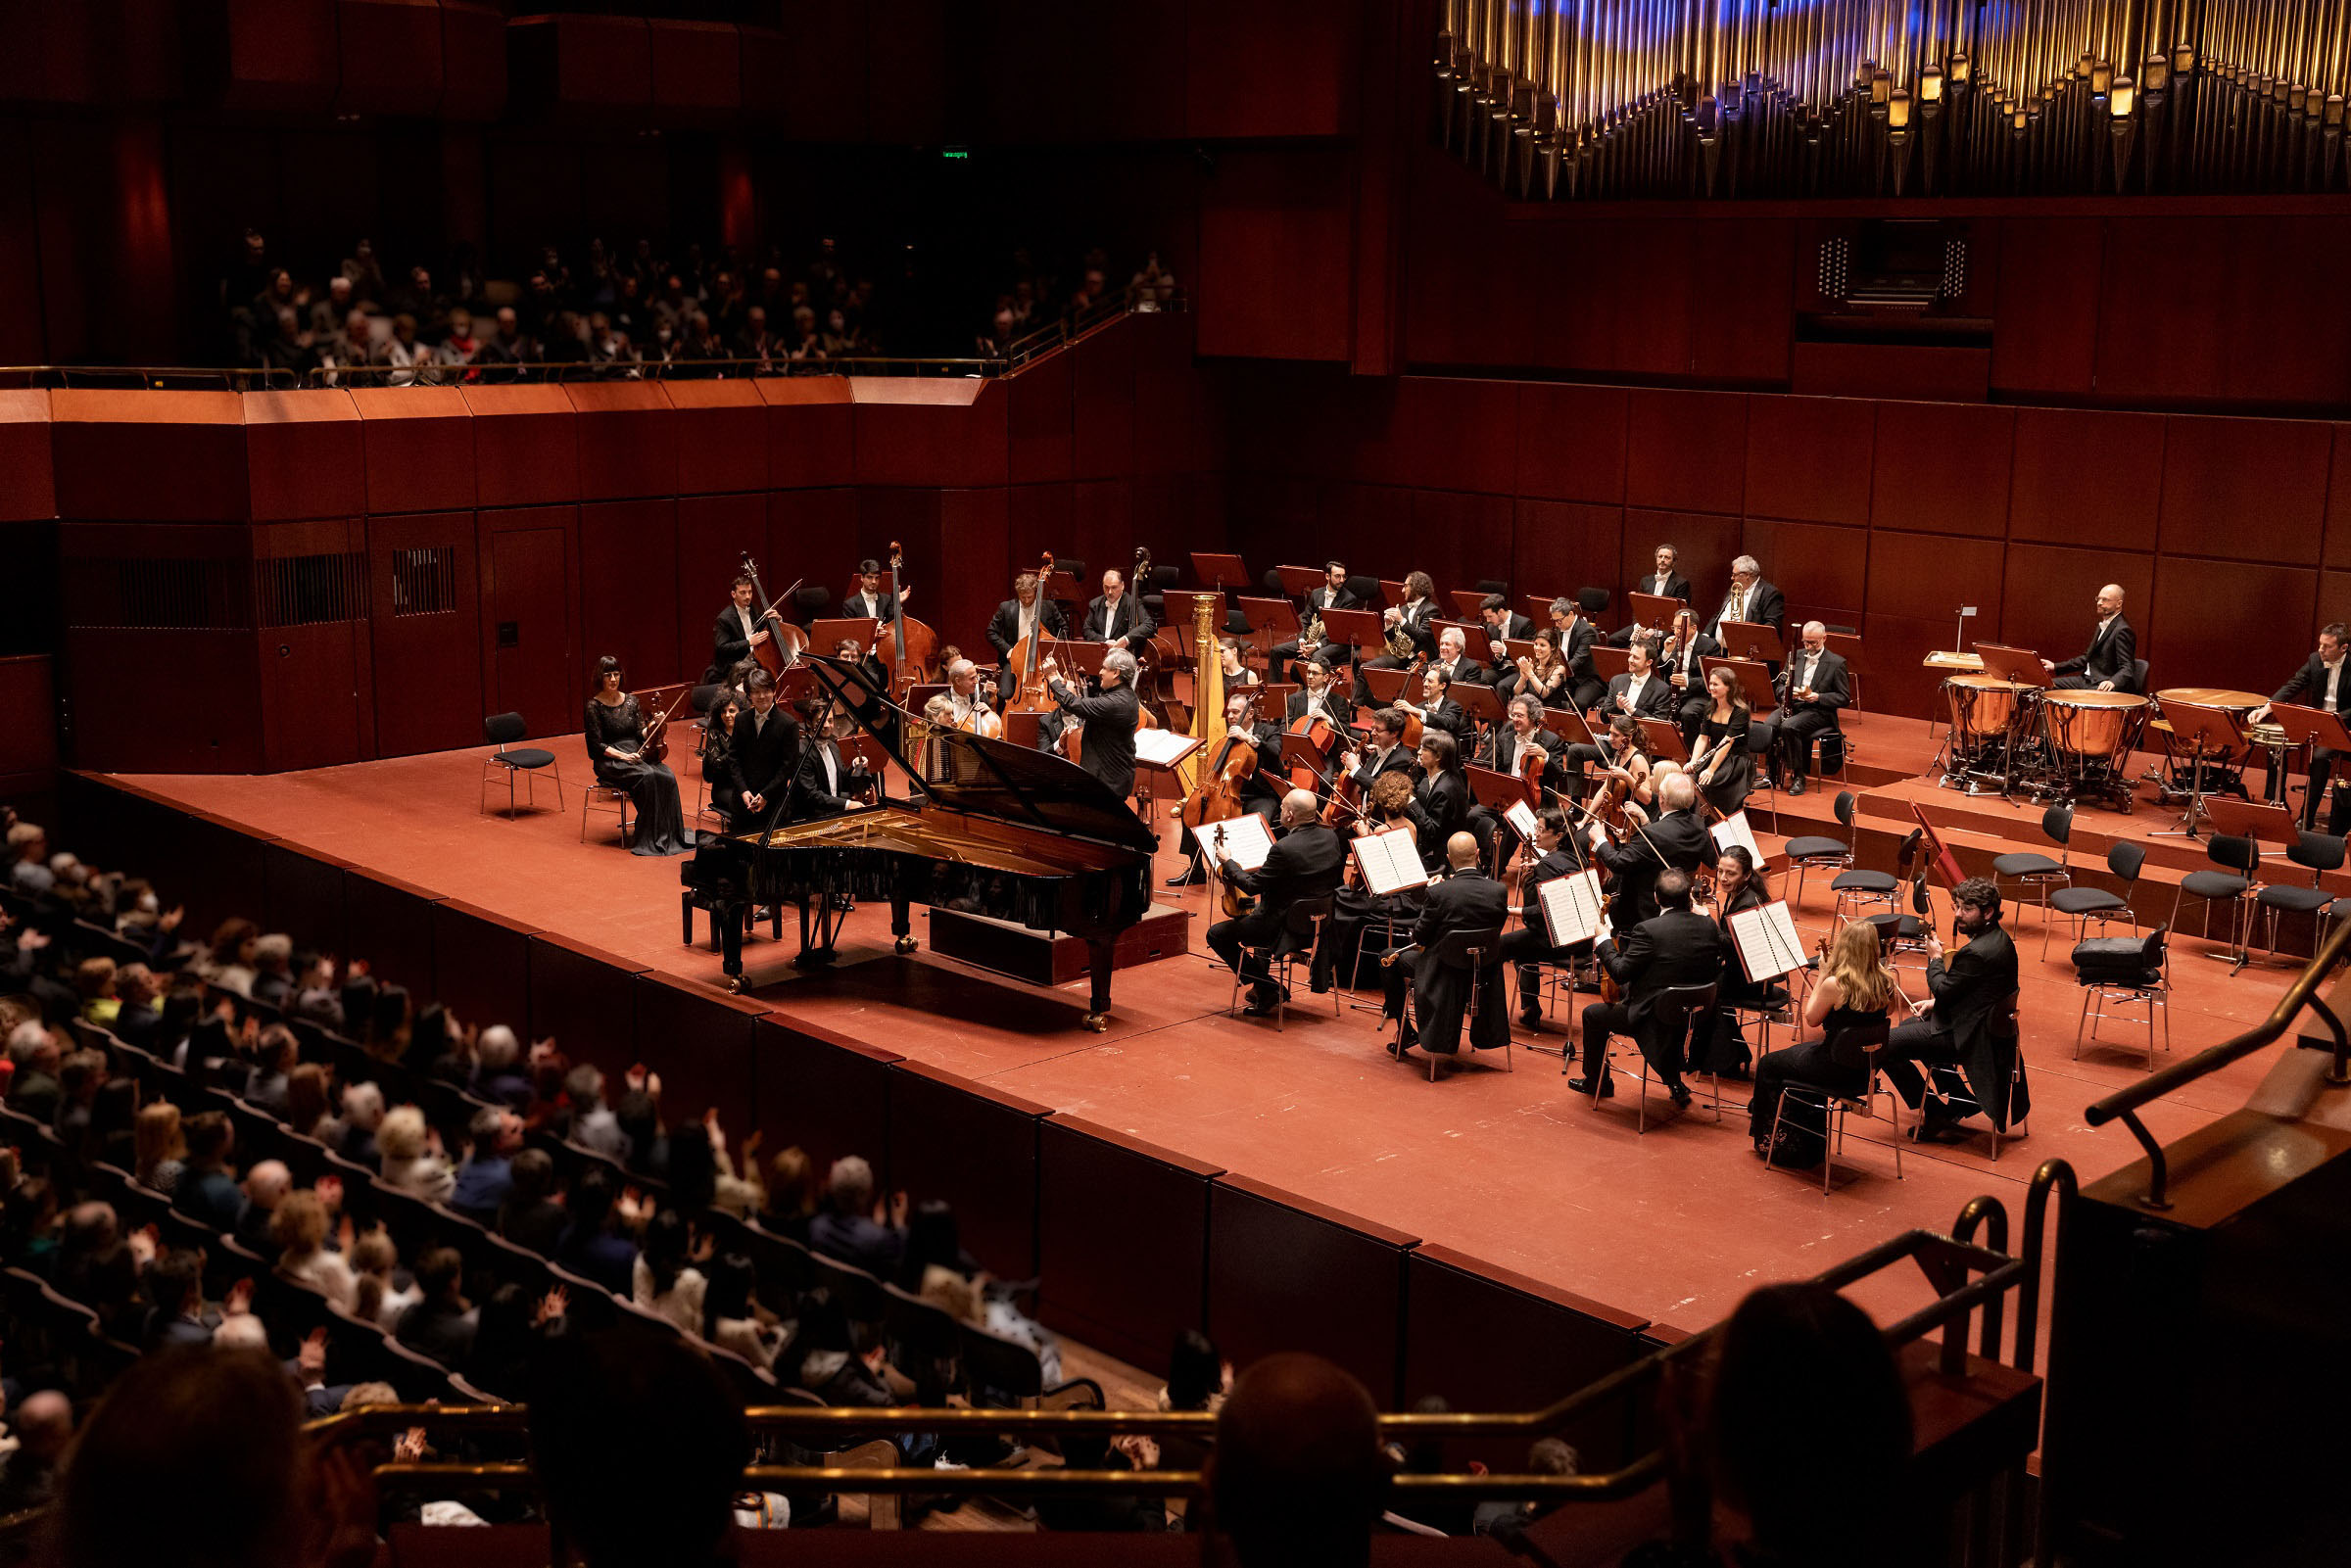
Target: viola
(654, 746)
(1235, 902)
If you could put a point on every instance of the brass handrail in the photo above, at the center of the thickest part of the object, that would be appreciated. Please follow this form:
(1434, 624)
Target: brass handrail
(2123, 1104)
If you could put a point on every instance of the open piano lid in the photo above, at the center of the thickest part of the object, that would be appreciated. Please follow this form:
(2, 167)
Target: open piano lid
(996, 778)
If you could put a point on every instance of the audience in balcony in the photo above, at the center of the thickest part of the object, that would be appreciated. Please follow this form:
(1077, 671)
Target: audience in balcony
(850, 1225)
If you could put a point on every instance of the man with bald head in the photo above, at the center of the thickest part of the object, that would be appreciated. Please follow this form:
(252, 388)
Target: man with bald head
(1675, 841)
(1306, 862)
(1464, 899)
(2107, 663)
(1298, 1474)
(1677, 946)
(1812, 687)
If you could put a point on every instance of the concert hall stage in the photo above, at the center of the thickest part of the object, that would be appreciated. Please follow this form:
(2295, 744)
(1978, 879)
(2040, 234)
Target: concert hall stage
(1505, 1165)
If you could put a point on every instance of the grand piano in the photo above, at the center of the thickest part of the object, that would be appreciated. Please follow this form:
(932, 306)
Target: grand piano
(995, 830)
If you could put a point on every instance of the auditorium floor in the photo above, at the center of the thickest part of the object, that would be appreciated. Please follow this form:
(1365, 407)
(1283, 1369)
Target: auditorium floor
(1506, 1166)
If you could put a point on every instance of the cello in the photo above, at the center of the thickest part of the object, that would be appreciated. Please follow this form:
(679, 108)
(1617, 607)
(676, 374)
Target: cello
(786, 642)
(1219, 797)
(906, 647)
(1028, 688)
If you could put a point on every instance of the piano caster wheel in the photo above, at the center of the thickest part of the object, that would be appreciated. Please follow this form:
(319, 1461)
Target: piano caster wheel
(906, 945)
(1097, 1022)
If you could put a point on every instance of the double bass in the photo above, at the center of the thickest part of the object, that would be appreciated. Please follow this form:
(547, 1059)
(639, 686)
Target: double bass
(1027, 688)
(786, 642)
(906, 647)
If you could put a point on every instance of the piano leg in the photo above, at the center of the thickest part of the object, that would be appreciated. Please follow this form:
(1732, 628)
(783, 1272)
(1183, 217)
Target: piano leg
(820, 922)
(901, 925)
(1099, 952)
(725, 925)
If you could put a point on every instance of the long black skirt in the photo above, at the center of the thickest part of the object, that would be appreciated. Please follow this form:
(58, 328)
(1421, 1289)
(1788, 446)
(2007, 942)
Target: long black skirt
(654, 790)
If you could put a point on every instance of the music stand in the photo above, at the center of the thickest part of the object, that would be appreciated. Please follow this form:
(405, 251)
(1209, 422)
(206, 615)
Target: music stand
(1300, 581)
(1061, 588)
(2214, 734)
(1514, 649)
(2254, 818)
(1753, 679)
(2019, 666)
(1537, 606)
(1495, 790)
(826, 636)
(1361, 630)
(1477, 700)
(1387, 686)
(1750, 639)
(1183, 606)
(1297, 753)
(1467, 601)
(1021, 729)
(1655, 609)
(1221, 571)
(2310, 726)
(1570, 726)
(1392, 593)
(1273, 699)
(1608, 663)
(1076, 661)
(1665, 741)
(1272, 621)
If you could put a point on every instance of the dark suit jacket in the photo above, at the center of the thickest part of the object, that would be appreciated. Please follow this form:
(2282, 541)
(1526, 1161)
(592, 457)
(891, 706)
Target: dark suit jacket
(1129, 626)
(2108, 657)
(1416, 625)
(1335, 703)
(1465, 901)
(1690, 661)
(2308, 687)
(1305, 863)
(813, 799)
(1320, 598)
(1676, 839)
(1680, 947)
(1267, 783)
(1449, 716)
(1399, 760)
(1970, 985)
(1108, 749)
(1470, 667)
(1004, 630)
(856, 605)
(1514, 625)
(1675, 585)
(1831, 688)
(1658, 700)
(1577, 649)
(1766, 606)
(1501, 753)
(761, 758)
(728, 645)
(1440, 808)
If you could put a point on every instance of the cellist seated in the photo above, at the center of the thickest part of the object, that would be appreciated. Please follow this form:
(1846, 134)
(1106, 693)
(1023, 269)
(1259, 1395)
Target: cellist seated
(1241, 772)
(968, 707)
(1306, 862)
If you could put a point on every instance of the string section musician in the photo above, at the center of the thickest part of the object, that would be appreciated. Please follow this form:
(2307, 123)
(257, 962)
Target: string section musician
(2106, 664)
(1109, 715)
(1675, 946)
(615, 726)
(1971, 988)
(1464, 899)
(739, 629)
(2318, 683)
(872, 598)
(1556, 855)
(1306, 862)
(1117, 616)
(1019, 616)
(1813, 687)
(1576, 636)
(1261, 790)
(1676, 842)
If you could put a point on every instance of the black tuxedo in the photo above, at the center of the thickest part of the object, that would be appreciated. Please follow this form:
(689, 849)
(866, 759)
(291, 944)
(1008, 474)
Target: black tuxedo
(1679, 947)
(1262, 789)
(1128, 624)
(1468, 667)
(1439, 809)
(1970, 989)
(1108, 749)
(857, 604)
(1512, 626)
(2308, 687)
(1329, 654)
(818, 796)
(1415, 625)
(1531, 943)
(1400, 759)
(1689, 698)
(1802, 722)
(1465, 901)
(1501, 750)
(1004, 629)
(1765, 606)
(2109, 658)
(1677, 841)
(729, 644)
(761, 759)
(1334, 704)
(1673, 586)
(1447, 715)
(1583, 689)
(1305, 863)
(1658, 697)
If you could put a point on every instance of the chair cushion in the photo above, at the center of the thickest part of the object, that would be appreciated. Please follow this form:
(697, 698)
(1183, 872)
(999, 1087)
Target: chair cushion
(2214, 884)
(525, 757)
(2084, 900)
(2025, 864)
(2300, 900)
(1864, 881)
(1817, 849)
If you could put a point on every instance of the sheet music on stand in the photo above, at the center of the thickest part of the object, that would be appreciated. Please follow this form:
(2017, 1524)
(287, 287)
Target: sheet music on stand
(1572, 908)
(1520, 816)
(1163, 748)
(1735, 829)
(1389, 862)
(1768, 941)
(1247, 841)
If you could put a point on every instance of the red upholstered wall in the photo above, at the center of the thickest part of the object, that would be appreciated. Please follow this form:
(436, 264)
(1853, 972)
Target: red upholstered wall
(1879, 514)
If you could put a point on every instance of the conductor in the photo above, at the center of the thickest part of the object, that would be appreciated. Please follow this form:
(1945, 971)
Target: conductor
(1109, 716)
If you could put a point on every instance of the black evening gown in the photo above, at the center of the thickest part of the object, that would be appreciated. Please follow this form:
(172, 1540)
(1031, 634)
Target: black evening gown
(1737, 775)
(660, 819)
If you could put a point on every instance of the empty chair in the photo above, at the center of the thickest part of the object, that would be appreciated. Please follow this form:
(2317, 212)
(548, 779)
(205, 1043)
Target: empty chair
(2033, 869)
(1762, 735)
(2319, 854)
(2237, 860)
(502, 730)
(2124, 858)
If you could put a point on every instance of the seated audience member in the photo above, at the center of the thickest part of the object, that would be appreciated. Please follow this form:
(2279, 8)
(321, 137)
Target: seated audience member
(273, 969)
(362, 1118)
(274, 1059)
(592, 1124)
(410, 1162)
(835, 1371)
(498, 1076)
(197, 1458)
(43, 1427)
(733, 1319)
(591, 1247)
(645, 1146)
(488, 1176)
(531, 1217)
(1507, 1522)
(1298, 1474)
(300, 1230)
(850, 1228)
(665, 1280)
(1130, 1513)
(441, 1324)
(268, 1184)
(793, 1200)
(310, 1088)
(316, 999)
(207, 1189)
(137, 1020)
(1425, 1456)
(158, 1154)
(94, 980)
(638, 1448)
(175, 1285)
(377, 1298)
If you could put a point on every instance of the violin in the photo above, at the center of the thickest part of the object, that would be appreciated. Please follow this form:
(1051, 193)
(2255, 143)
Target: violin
(654, 746)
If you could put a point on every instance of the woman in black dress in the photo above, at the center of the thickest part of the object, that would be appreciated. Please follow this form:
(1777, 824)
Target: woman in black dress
(1855, 988)
(615, 730)
(1356, 909)
(1724, 769)
(1544, 677)
(718, 738)
(1739, 883)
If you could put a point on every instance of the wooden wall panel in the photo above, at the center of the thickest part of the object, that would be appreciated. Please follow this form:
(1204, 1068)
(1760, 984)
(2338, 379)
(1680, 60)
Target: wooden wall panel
(699, 1041)
(149, 457)
(525, 445)
(1275, 238)
(2049, 599)
(390, 924)
(2197, 633)
(2087, 478)
(1103, 393)
(1703, 544)
(414, 650)
(721, 435)
(1560, 546)
(1121, 1239)
(821, 1092)
(811, 437)
(305, 900)
(482, 966)
(714, 534)
(1923, 577)
(27, 477)
(2252, 489)
(1463, 538)
(304, 454)
(1809, 459)
(628, 589)
(1276, 1261)
(1686, 451)
(924, 432)
(531, 661)
(585, 999)
(2045, 329)
(976, 1147)
(2338, 499)
(419, 448)
(1039, 423)
(1823, 571)
(1456, 434)
(627, 439)
(1942, 468)
(1571, 442)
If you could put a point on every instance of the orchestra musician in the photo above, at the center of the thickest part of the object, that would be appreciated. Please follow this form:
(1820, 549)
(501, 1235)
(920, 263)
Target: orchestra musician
(1640, 692)
(1813, 687)
(737, 631)
(1856, 990)
(1683, 659)
(1625, 758)
(1675, 841)
(870, 600)
(1672, 946)
(2318, 683)
(1382, 754)
(1751, 600)
(1109, 716)
(1664, 581)
(1464, 899)
(1556, 855)
(1970, 993)
(1306, 862)
(1437, 710)
(1328, 595)
(763, 754)
(971, 703)
(1739, 884)
(1261, 792)
(615, 735)
(1457, 661)
(1117, 616)
(1386, 809)
(1407, 627)
(1228, 657)
(1724, 769)
(1542, 675)
(1501, 625)
(1576, 636)
(2106, 664)
(1441, 800)
(1506, 749)
(1019, 616)
(1316, 695)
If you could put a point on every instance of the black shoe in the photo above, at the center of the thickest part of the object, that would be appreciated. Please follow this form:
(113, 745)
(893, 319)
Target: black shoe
(1607, 1087)
(1188, 878)
(1796, 785)
(1531, 1016)
(1936, 1122)
(1680, 1093)
(1258, 1009)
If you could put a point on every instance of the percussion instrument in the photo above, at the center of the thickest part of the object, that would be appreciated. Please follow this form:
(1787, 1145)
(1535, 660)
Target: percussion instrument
(1983, 708)
(2084, 725)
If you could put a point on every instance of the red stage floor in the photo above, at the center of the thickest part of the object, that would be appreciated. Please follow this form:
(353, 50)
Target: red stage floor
(1505, 1165)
